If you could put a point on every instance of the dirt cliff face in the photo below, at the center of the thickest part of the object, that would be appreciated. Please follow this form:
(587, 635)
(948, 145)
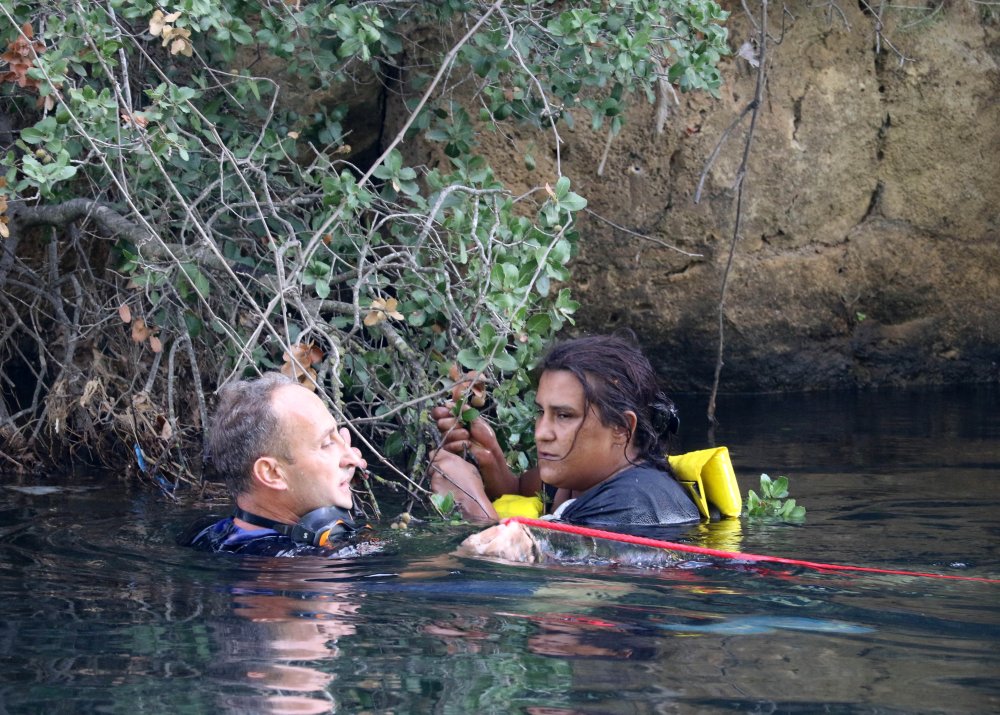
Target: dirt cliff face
(870, 245)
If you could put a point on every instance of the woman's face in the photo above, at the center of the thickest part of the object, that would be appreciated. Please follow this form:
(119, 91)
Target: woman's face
(575, 450)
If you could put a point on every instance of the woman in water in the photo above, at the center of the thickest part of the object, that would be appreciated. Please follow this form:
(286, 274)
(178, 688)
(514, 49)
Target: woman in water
(600, 433)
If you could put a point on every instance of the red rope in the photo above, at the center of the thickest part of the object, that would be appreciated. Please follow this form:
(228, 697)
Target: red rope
(735, 555)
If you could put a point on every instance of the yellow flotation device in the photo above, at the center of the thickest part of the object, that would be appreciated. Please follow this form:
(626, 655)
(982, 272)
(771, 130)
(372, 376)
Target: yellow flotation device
(710, 480)
(515, 505)
(707, 475)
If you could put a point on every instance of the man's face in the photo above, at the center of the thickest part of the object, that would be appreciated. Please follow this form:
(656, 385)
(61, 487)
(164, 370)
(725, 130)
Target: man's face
(575, 450)
(320, 462)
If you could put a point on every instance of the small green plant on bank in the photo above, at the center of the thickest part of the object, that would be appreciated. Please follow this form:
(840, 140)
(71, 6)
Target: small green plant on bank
(773, 501)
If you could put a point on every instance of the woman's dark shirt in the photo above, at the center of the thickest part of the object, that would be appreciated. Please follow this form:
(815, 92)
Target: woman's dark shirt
(642, 495)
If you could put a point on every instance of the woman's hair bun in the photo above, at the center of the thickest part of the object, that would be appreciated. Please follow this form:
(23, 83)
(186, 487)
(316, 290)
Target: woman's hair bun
(666, 419)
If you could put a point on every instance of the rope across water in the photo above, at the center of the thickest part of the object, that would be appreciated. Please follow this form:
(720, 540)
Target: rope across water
(731, 555)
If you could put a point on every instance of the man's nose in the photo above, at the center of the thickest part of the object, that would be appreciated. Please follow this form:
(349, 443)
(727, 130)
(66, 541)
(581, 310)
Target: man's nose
(350, 458)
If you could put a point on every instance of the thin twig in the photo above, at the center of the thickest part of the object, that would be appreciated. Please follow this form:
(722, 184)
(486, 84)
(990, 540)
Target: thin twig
(741, 175)
(643, 236)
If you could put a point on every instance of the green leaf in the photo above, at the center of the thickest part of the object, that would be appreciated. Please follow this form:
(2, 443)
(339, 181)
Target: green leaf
(62, 173)
(445, 503)
(562, 188)
(573, 202)
(505, 361)
(198, 279)
(32, 135)
(469, 415)
(471, 359)
(539, 324)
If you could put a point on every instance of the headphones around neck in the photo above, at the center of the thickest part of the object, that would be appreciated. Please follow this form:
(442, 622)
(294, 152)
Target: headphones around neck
(320, 527)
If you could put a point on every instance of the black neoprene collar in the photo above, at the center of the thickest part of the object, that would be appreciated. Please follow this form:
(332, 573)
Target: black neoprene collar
(295, 532)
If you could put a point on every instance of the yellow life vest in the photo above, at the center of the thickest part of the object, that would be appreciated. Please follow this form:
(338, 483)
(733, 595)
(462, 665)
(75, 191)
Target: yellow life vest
(707, 475)
(710, 480)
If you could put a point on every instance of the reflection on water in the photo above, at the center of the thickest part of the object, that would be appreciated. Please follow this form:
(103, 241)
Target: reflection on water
(102, 613)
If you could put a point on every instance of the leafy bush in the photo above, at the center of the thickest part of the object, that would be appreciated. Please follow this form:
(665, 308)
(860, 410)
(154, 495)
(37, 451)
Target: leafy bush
(246, 235)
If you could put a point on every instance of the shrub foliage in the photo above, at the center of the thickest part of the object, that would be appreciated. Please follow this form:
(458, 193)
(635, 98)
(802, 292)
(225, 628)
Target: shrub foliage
(169, 222)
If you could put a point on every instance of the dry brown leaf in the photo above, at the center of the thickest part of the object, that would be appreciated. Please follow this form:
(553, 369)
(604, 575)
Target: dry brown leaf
(381, 310)
(4, 228)
(182, 46)
(172, 17)
(167, 432)
(390, 309)
(156, 344)
(125, 313)
(89, 390)
(175, 33)
(305, 353)
(297, 359)
(140, 331)
(472, 385)
(305, 376)
(156, 23)
(20, 56)
(549, 191)
(136, 120)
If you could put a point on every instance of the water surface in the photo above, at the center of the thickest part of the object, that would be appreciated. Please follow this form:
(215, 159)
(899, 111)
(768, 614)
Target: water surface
(101, 612)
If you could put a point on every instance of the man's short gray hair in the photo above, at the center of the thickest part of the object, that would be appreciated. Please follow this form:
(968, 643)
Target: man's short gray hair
(245, 428)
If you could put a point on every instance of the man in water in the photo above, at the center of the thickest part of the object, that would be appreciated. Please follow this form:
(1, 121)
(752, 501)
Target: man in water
(288, 468)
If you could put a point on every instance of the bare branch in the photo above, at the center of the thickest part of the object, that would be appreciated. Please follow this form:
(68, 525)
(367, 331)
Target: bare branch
(741, 174)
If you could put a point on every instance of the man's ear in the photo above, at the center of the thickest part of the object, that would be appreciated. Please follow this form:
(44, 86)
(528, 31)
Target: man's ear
(268, 473)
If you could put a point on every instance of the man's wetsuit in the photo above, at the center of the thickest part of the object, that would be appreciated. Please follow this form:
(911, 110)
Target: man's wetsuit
(643, 495)
(224, 536)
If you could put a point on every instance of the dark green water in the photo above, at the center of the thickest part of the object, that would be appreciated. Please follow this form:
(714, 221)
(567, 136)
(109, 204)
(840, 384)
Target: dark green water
(102, 613)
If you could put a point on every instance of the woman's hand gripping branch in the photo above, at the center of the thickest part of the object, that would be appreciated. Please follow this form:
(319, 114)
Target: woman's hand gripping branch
(470, 463)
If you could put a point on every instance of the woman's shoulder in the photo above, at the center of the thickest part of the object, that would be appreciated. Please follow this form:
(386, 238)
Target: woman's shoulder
(642, 495)
(644, 472)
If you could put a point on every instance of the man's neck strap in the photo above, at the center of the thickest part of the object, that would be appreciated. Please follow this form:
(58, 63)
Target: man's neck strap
(317, 528)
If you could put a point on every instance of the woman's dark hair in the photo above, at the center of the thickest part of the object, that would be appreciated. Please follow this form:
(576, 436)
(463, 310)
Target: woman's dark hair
(616, 378)
(244, 429)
